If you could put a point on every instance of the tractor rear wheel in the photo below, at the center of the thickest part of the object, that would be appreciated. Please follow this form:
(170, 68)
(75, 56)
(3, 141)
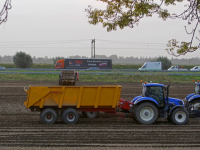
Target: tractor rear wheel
(70, 116)
(145, 113)
(179, 116)
(48, 116)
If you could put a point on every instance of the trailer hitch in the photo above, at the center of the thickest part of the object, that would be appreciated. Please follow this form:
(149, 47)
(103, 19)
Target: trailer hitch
(122, 104)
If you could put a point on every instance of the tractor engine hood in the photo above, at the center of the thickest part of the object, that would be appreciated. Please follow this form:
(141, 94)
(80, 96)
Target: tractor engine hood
(175, 101)
(194, 96)
(189, 95)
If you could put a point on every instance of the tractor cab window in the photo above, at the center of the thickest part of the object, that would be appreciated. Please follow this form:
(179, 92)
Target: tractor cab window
(156, 92)
(144, 91)
(197, 89)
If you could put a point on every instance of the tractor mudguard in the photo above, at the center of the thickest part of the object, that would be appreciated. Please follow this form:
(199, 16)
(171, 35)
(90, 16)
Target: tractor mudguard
(140, 99)
(194, 97)
(135, 98)
(170, 111)
(189, 96)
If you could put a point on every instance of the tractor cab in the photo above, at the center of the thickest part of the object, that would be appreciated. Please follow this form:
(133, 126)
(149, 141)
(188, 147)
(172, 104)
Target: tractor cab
(193, 100)
(197, 88)
(158, 94)
(154, 91)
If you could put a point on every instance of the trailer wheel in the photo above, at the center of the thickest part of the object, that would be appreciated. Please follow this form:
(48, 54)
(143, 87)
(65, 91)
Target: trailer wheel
(90, 114)
(196, 104)
(48, 116)
(70, 116)
(179, 116)
(145, 113)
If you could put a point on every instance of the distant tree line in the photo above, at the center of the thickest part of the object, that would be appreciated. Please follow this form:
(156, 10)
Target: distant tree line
(115, 59)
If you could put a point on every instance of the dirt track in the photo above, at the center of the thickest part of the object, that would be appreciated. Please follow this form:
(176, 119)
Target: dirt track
(21, 128)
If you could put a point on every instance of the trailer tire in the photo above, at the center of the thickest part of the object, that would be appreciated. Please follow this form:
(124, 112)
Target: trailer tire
(196, 103)
(179, 116)
(70, 116)
(48, 116)
(90, 114)
(145, 113)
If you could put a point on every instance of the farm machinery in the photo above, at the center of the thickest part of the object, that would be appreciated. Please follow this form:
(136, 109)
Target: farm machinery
(68, 77)
(155, 103)
(67, 101)
(194, 98)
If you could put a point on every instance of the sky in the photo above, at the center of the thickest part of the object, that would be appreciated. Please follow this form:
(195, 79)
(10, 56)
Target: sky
(60, 28)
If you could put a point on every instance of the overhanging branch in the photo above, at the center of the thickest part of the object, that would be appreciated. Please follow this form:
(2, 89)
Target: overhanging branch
(4, 11)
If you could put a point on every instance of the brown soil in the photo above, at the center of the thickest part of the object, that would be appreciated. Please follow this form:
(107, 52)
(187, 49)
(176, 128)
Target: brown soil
(20, 128)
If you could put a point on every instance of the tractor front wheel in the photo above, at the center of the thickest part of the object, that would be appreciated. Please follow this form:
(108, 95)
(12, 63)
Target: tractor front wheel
(179, 116)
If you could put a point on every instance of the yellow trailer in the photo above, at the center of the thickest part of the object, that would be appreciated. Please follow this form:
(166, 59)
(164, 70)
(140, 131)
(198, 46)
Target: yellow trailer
(68, 100)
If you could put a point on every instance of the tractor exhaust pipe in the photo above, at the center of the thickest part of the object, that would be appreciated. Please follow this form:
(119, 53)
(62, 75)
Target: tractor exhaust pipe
(168, 94)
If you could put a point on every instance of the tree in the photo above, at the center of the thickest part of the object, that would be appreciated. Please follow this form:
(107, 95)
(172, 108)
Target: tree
(166, 63)
(22, 60)
(128, 13)
(4, 11)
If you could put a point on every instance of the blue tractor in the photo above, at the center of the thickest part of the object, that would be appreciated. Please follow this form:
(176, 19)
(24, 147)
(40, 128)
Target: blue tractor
(155, 103)
(193, 100)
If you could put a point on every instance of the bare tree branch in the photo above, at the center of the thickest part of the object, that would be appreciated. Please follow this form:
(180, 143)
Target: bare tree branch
(4, 11)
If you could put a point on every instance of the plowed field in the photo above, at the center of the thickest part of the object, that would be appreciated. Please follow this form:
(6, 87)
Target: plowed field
(20, 128)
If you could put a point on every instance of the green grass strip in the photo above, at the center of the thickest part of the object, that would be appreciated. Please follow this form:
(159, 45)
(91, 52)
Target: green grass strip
(100, 78)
